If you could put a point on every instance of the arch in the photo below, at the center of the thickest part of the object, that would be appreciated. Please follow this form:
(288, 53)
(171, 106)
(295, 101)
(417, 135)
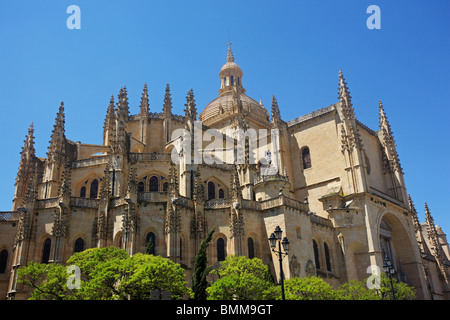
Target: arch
(153, 184)
(46, 250)
(83, 192)
(211, 190)
(218, 185)
(183, 247)
(221, 193)
(316, 254)
(93, 193)
(150, 248)
(141, 186)
(327, 256)
(117, 242)
(79, 245)
(3, 260)
(306, 158)
(89, 186)
(250, 248)
(399, 246)
(165, 186)
(220, 246)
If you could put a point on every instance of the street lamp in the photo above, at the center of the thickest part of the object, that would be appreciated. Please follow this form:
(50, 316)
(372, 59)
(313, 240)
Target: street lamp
(390, 271)
(273, 239)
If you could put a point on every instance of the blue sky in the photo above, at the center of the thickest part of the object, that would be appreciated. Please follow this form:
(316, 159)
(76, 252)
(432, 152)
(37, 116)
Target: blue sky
(292, 49)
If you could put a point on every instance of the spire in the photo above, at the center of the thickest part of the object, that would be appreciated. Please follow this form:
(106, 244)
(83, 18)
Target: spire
(191, 110)
(350, 135)
(26, 168)
(118, 137)
(230, 57)
(29, 142)
(167, 108)
(108, 127)
(27, 155)
(276, 116)
(428, 218)
(122, 104)
(230, 75)
(144, 103)
(56, 148)
(432, 233)
(416, 222)
(388, 139)
(345, 98)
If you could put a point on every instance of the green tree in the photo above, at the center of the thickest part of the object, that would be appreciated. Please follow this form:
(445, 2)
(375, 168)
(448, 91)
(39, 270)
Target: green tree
(402, 290)
(309, 288)
(48, 281)
(146, 273)
(107, 274)
(240, 278)
(356, 290)
(199, 282)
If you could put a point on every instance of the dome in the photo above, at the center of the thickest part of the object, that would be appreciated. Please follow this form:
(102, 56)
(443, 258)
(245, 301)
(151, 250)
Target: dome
(227, 104)
(232, 99)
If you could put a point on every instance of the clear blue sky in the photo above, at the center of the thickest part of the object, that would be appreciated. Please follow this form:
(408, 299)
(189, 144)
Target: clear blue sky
(292, 49)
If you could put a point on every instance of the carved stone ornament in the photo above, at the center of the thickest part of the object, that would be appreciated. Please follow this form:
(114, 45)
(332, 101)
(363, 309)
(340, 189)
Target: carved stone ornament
(310, 269)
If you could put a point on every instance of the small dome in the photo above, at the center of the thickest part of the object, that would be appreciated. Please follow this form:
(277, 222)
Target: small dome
(232, 98)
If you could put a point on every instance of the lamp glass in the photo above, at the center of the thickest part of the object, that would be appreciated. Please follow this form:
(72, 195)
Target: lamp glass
(272, 240)
(278, 232)
(285, 244)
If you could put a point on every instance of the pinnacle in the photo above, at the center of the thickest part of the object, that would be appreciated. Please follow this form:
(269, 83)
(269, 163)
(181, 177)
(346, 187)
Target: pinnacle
(230, 57)
(167, 100)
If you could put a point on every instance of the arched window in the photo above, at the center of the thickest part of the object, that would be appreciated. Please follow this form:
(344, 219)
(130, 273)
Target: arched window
(94, 189)
(211, 190)
(327, 257)
(316, 254)
(83, 192)
(221, 194)
(46, 250)
(79, 245)
(153, 184)
(3, 260)
(150, 242)
(306, 158)
(251, 248)
(232, 81)
(141, 186)
(225, 81)
(181, 248)
(165, 186)
(220, 249)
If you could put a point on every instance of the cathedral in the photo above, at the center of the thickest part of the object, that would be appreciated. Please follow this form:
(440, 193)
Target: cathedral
(332, 185)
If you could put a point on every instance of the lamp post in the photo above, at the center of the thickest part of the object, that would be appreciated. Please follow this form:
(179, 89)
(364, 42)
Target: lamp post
(273, 239)
(389, 270)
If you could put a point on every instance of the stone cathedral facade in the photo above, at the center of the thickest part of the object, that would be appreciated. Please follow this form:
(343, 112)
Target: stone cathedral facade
(337, 193)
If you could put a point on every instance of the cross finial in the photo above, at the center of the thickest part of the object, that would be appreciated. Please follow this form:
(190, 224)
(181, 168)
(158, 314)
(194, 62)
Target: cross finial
(229, 45)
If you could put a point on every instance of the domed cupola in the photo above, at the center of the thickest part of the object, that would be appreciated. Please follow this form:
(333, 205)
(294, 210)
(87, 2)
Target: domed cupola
(232, 100)
(230, 75)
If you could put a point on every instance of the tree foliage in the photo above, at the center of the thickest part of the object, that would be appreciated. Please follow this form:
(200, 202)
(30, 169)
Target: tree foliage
(106, 274)
(199, 282)
(309, 288)
(240, 278)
